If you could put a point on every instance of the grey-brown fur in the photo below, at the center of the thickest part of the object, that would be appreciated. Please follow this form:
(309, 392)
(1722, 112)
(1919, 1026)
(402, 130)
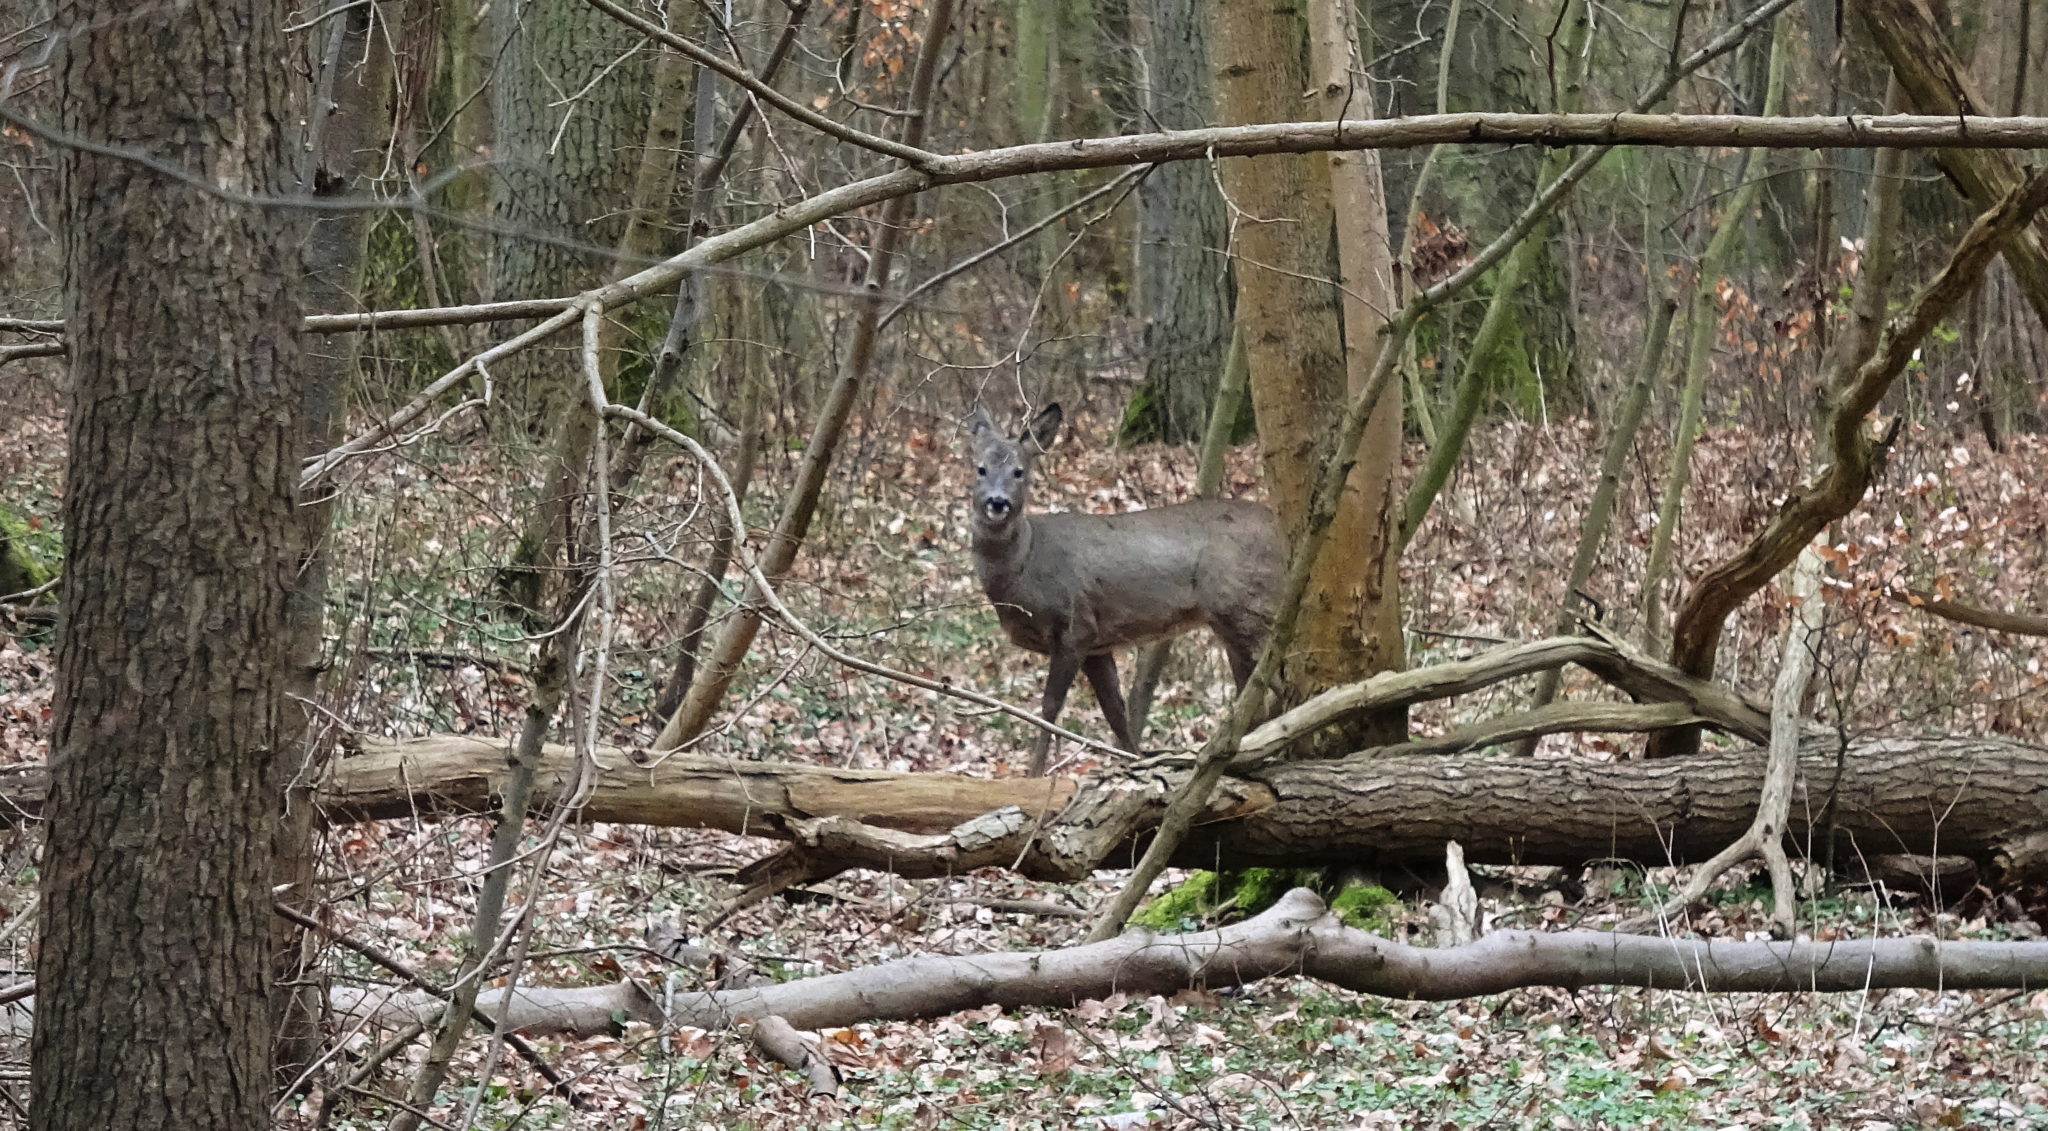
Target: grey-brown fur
(1076, 586)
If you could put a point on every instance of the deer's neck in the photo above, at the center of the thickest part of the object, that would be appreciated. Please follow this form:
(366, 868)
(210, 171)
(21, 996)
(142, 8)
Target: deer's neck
(1000, 551)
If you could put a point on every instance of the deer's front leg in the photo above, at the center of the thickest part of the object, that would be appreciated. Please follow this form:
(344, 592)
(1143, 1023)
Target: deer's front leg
(1059, 676)
(1101, 671)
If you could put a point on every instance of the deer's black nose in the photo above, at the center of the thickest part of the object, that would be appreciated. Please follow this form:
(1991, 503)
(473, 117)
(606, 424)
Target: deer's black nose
(996, 506)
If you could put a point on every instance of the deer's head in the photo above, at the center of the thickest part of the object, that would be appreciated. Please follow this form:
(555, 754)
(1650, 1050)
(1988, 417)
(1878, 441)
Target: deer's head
(1002, 466)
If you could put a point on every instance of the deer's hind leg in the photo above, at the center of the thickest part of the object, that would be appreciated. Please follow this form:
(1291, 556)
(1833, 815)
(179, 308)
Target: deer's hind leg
(1101, 671)
(1241, 646)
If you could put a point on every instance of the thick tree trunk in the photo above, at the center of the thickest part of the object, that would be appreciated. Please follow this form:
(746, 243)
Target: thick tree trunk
(1293, 340)
(563, 188)
(562, 172)
(1183, 285)
(184, 548)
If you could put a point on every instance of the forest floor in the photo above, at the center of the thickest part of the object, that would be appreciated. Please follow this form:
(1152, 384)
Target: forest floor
(418, 647)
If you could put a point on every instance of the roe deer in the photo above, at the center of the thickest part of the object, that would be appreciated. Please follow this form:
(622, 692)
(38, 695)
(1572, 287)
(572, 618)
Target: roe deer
(1075, 586)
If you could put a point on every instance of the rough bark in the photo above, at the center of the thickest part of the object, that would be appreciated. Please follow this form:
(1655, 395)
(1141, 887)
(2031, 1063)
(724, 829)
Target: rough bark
(561, 174)
(1964, 797)
(568, 104)
(1298, 935)
(184, 432)
(1183, 286)
(1893, 796)
(657, 180)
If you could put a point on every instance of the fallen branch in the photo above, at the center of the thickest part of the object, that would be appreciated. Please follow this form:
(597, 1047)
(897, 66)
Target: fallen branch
(1551, 718)
(799, 1050)
(1296, 936)
(1958, 797)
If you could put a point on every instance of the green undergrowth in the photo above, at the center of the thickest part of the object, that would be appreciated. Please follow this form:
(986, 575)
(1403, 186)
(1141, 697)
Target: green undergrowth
(30, 551)
(1246, 892)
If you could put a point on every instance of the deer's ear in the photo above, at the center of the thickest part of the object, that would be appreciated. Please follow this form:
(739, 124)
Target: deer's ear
(978, 423)
(1045, 426)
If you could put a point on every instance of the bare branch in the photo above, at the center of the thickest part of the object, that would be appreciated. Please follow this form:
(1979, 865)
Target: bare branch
(2019, 624)
(1298, 935)
(1836, 489)
(702, 57)
(1632, 672)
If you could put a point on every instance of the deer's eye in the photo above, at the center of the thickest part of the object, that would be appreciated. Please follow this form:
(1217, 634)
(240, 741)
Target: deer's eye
(1017, 474)
(981, 471)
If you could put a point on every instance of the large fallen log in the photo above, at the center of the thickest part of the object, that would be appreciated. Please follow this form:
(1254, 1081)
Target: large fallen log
(1986, 799)
(1982, 798)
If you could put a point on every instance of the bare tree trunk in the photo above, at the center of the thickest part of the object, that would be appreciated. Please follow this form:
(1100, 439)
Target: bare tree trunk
(1295, 347)
(1353, 604)
(180, 519)
(340, 124)
(562, 173)
(564, 189)
(1183, 285)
